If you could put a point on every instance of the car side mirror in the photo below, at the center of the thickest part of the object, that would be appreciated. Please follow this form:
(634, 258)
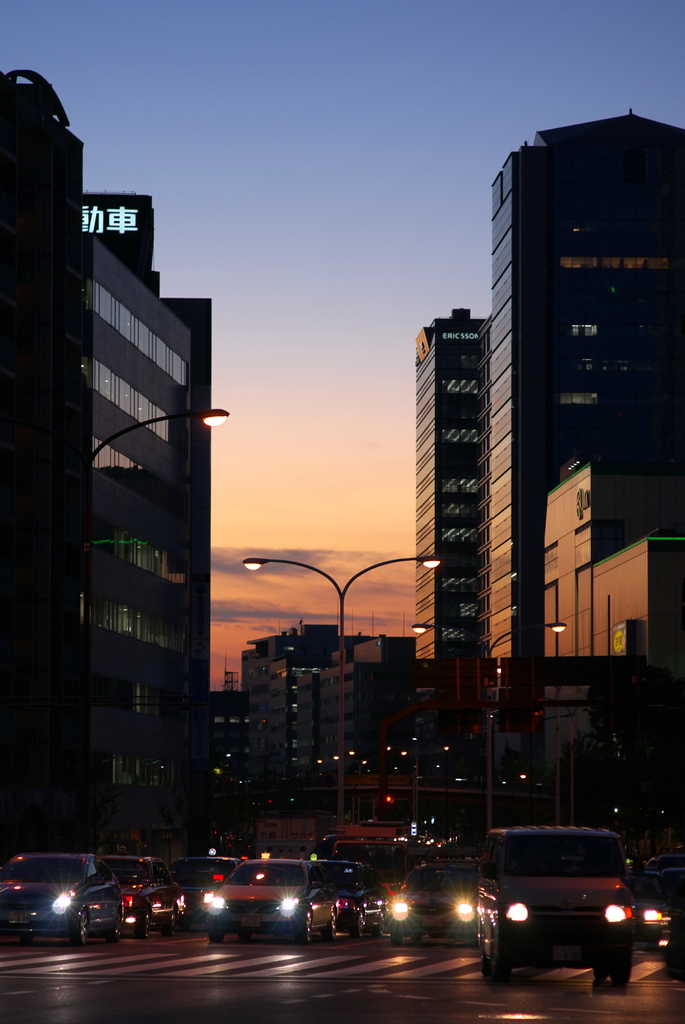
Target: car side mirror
(488, 870)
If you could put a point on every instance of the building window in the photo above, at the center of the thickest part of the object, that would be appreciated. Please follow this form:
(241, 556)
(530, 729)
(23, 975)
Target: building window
(583, 330)
(607, 539)
(460, 485)
(122, 394)
(219, 718)
(462, 436)
(453, 534)
(576, 398)
(551, 563)
(455, 387)
(459, 511)
(616, 262)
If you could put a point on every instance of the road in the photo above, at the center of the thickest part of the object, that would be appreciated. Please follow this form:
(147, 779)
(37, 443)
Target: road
(184, 978)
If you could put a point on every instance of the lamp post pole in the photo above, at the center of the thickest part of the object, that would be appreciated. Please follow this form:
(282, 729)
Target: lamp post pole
(87, 463)
(341, 591)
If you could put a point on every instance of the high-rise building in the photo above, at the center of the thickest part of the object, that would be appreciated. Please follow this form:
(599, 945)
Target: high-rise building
(447, 483)
(583, 356)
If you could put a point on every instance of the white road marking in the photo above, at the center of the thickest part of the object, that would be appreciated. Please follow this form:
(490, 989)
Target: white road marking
(423, 972)
(643, 970)
(132, 968)
(71, 960)
(19, 992)
(201, 972)
(374, 965)
(307, 965)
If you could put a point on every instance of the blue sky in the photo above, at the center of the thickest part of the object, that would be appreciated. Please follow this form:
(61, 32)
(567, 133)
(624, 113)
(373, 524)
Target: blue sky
(322, 170)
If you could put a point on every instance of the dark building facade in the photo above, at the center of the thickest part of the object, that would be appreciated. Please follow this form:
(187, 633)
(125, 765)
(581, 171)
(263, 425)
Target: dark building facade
(583, 355)
(87, 348)
(447, 483)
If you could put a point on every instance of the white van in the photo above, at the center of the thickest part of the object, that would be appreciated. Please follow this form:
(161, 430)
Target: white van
(555, 897)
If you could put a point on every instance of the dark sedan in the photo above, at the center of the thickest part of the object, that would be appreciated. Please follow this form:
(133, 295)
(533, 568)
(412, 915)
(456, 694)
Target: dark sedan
(649, 907)
(200, 878)
(69, 895)
(438, 900)
(674, 931)
(362, 900)
(287, 898)
(150, 898)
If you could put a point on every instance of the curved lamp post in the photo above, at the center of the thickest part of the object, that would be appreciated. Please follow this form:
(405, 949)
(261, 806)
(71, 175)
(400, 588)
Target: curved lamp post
(557, 627)
(341, 591)
(212, 418)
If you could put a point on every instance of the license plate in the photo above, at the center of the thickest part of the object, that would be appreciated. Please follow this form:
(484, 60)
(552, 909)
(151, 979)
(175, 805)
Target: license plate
(566, 953)
(250, 922)
(432, 922)
(17, 918)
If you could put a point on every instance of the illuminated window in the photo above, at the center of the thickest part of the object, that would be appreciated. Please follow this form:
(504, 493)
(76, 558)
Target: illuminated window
(583, 330)
(577, 398)
(616, 262)
(464, 387)
(461, 485)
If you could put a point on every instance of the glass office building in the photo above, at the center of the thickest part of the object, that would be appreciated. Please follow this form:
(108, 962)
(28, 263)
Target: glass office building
(447, 483)
(583, 356)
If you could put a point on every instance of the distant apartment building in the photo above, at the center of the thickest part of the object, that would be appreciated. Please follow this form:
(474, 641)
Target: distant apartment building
(447, 483)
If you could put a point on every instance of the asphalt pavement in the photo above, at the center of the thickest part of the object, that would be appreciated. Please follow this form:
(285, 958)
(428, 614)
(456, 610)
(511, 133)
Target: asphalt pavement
(184, 978)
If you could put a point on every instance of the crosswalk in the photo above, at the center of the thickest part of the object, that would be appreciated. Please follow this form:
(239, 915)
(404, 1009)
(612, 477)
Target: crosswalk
(98, 967)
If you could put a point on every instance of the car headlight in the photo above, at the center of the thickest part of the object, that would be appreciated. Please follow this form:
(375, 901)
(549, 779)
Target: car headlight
(218, 903)
(208, 897)
(517, 912)
(614, 913)
(288, 905)
(465, 909)
(400, 909)
(653, 915)
(61, 903)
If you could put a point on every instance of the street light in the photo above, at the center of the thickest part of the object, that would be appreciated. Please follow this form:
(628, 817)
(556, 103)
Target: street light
(211, 418)
(429, 561)
(556, 627)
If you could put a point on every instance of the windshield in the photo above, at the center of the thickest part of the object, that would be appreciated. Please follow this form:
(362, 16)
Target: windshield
(342, 874)
(647, 887)
(269, 874)
(206, 872)
(437, 879)
(553, 855)
(43, 869)
(129, 872)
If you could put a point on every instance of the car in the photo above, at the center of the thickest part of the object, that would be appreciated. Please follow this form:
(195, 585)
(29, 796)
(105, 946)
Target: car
(362, 900)
(649, 907)
(555, 897)
(150, 898)
(438, 900)
(199, 879)
(674, 927)
(66, 895)
(287, 898)
(670, 878)
(670, 860)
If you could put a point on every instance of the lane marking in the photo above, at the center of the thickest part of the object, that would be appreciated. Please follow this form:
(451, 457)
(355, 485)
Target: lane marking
(423, 972)
(20, 992)
(73, 960)
(307, 965)
(643, 970)
(165, 963)
(201, 972)
(371, 966)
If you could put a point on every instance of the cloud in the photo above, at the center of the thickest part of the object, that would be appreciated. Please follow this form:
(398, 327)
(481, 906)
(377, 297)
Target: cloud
(229, 561)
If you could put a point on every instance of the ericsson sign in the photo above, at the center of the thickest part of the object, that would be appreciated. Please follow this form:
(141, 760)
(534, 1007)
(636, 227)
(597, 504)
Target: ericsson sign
(461, 336)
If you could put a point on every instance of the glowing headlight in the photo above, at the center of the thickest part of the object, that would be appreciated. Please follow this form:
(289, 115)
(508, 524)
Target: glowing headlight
(517, 912)
(400, 909)
(288, 905)
(61, 903)
(208, 897)
(614, 913)
(652, 915)
(218, 903)
(465, 909)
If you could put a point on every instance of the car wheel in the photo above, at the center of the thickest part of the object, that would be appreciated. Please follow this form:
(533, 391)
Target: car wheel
(78, 928)
(329, 932)
(619, 971)
(170, 927)
(601, 973)
(26, 939)
(141, 929)
(244, 935)
(500, 968)
(303, 935)
(379, 926)
(114, 934)
(358, 924)
(396, 937)
(215, 933)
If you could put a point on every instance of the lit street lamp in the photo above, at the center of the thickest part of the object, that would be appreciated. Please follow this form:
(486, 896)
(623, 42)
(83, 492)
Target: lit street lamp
(212, 418)
(341, 591)
(556, 627)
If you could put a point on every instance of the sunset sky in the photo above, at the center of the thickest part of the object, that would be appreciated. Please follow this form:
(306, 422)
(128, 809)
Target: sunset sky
(321, 169)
